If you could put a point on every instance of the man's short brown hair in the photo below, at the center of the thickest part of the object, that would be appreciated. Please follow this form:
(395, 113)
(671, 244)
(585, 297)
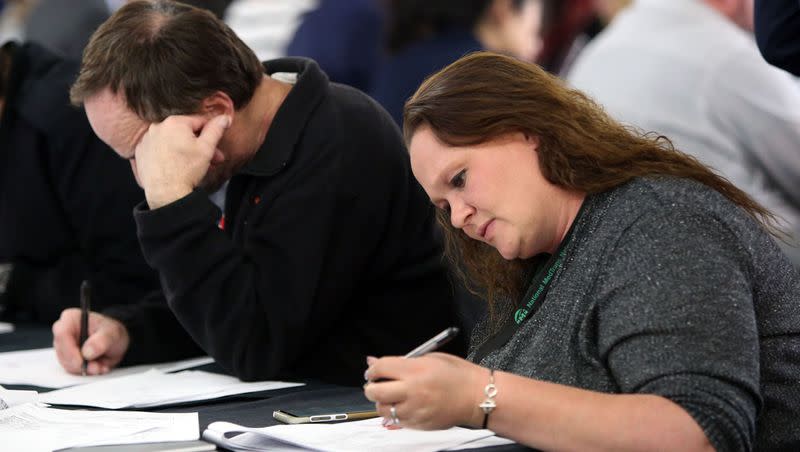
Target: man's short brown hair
(166, 57)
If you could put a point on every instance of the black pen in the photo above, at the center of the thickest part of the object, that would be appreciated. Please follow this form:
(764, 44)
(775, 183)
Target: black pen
(433, 343)
(86, 307)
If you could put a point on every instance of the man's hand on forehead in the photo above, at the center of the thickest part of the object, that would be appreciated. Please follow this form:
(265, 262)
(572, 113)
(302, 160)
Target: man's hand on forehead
(173, 156)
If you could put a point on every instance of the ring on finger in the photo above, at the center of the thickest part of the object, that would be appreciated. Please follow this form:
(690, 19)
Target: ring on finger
(393, 412)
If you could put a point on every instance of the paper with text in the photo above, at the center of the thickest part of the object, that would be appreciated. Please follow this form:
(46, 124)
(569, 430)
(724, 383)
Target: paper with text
(363, 435)
(32, 427)
(9, 398)
(491, 441)
(156, 388)
(40, 367)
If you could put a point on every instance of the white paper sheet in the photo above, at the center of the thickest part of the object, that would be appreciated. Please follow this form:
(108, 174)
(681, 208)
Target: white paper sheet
(6, 327)
(9, 397)
(363, 435)
(40, 367)
(247, 442)
(32, 427)
(156, 388)
(484, 442)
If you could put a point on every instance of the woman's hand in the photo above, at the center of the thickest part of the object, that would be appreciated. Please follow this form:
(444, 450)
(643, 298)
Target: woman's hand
(435, 391)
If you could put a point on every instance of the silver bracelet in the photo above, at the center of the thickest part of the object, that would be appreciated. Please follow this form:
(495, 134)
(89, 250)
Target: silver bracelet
(488, 404)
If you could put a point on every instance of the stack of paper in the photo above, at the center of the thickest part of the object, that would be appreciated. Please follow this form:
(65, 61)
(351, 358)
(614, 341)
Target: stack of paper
(156, 388)
(40, 367)
(9, 398)
(490, 441)
(369, 434)
(31, 427)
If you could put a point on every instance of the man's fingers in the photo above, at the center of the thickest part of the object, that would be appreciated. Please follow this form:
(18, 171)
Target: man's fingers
(98, 343)
(135, 172)
(65, 340)
(97, 367)
(68, 323)
(213, 130)
(195, 122)
(68, 355)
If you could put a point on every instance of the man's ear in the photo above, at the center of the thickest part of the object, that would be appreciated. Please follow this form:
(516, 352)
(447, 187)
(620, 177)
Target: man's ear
(217, 104)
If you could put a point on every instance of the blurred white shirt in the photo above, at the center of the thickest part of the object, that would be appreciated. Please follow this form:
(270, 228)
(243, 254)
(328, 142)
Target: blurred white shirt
(266, 26)
(681, 69)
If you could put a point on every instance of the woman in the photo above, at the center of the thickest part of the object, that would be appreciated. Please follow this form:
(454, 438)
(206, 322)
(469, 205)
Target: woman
(637, 300)
(423, 36)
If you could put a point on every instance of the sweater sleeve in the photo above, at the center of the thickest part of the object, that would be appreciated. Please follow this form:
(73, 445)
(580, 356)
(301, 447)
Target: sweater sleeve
(155, 334)
(247, 306)
(676, 319)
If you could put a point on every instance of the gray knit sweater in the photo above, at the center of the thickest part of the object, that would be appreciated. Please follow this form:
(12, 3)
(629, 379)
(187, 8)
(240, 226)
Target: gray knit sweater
(670, 289)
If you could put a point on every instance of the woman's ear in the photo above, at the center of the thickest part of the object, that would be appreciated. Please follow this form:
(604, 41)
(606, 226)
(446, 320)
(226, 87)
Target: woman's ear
(532, 140)
(217, 104)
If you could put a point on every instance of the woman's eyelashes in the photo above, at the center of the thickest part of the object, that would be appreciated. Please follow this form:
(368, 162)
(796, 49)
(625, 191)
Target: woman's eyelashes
(458, 182)
(459, 179)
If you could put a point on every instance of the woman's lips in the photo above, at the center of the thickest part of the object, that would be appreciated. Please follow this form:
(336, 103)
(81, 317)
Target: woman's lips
(484, 229)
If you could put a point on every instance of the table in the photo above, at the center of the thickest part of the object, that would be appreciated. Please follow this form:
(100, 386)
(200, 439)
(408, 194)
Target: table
(254, 409)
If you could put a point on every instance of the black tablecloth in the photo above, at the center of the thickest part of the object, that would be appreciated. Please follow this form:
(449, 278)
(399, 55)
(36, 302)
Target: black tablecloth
(252, 410)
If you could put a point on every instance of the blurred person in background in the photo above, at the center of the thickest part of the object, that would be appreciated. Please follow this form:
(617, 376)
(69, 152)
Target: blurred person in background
(13, 14)
(64, 27)
(65, 199)
(691, 70)
(423, 36)
(344, 37)
(777, 24)
(570, 25)
(267, 26)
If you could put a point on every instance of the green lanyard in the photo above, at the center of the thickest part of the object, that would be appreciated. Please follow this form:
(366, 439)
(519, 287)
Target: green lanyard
(533, 299)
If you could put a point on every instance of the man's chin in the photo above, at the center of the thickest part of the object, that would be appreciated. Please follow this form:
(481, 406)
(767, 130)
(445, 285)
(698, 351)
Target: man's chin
(212, 185)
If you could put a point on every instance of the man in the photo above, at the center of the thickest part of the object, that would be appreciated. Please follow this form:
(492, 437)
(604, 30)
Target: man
(326, 251)
(690, 70)
(65, 200)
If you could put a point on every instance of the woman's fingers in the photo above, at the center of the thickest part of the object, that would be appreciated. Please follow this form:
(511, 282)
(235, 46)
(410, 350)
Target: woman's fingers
(386, 392)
